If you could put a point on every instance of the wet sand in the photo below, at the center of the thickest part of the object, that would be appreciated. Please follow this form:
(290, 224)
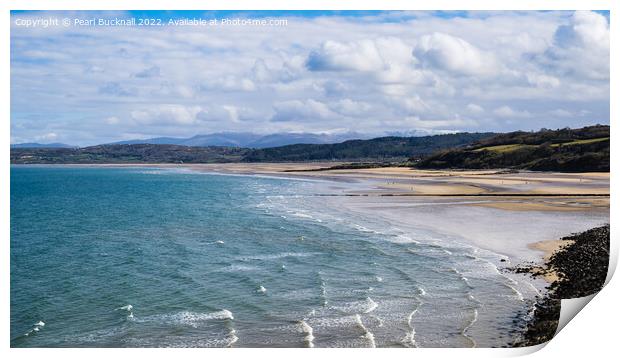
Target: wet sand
(423, 182)
(522, 191)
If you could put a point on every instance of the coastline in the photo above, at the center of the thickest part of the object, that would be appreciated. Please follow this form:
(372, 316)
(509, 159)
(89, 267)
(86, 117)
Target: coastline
(475, 193)
(501, 189)
(504, 212)
(486, 192)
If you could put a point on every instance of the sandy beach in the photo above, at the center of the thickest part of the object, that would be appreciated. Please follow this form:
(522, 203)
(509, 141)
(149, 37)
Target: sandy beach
(404, 180)
(507, 212)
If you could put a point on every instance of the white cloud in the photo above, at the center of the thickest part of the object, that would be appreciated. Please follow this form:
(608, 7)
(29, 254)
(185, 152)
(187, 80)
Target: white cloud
(169, 114)
(542, 80)
(506, 111)
(453, 54)
(260, 71)
(352, 56)
(231, 83)
(297, 110)
(429, 124)
(581, 47)
(586, 29)
(474, 108)
(561, 113)
(412, 104)
(389, 72)
(47, 137)
(349, 107)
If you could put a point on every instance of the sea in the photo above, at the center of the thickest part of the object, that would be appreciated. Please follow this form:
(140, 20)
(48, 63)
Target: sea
(169, 257)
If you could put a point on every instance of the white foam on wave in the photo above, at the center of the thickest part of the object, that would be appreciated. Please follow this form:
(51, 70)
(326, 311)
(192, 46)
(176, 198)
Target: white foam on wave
(127, 308)
(261, 289)
(190, 318)
(277, 256)
(366, 306)
(307, 329)
(515, 291)
(363, 229)
(222, 314)
(404, 239)
(237, 268)
(232, 336)
(218, 242)
(324, 293)
(367, 334)
(372, 305)
(409, 339)
(471, 323)
(35, 328)
(302, 215)
(461, 276)
(474, 299)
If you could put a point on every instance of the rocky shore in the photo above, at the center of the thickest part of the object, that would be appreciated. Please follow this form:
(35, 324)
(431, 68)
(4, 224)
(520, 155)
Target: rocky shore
(581, 268)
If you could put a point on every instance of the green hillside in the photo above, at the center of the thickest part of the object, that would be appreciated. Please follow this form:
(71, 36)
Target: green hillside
(378, 149)
(569, 150)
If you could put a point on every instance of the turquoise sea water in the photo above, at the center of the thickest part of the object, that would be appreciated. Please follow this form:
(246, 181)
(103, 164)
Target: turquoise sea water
(135, 257)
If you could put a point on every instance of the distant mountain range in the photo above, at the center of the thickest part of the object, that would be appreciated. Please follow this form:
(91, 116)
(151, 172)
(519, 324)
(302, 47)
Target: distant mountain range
(40, 145)
(384, 149)
(249, 140)
(565, 150)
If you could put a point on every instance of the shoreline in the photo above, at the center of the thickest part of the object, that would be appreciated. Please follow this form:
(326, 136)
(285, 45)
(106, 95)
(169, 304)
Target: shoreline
(520, 218)
(486, 191)
(410, 181)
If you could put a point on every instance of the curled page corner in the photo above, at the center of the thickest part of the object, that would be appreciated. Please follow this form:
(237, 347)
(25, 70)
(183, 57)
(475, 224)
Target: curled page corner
(571, 307)
(613, 259)
(523, 351)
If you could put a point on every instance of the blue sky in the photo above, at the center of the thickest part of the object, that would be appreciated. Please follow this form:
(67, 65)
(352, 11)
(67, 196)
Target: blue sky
(372, 72)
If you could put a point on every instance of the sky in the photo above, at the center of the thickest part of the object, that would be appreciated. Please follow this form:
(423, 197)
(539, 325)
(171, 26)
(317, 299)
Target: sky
(371, 72)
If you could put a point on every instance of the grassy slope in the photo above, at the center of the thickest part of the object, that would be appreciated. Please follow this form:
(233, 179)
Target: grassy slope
(570, 150)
